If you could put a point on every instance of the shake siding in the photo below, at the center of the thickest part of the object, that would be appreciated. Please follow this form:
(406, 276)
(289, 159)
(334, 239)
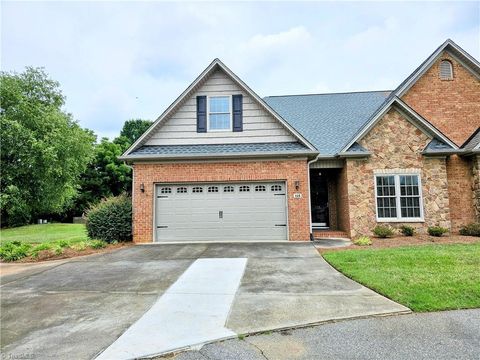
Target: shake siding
(258, 124)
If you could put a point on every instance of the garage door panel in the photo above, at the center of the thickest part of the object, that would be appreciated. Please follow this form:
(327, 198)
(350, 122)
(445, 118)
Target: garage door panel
(218, 216)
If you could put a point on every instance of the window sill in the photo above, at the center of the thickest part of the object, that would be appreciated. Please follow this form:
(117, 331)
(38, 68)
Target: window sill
(396, 220)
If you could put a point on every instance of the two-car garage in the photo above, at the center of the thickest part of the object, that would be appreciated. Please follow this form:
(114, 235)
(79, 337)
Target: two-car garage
(247, 211)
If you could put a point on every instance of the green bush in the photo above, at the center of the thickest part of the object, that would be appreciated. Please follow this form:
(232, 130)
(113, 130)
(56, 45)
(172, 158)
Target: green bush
(40, 247)
(472, 229)
(79, 246)
(14, 250)
(383, 231)
(407, 230)
(62, 243)
(97, 244)
(111, 219)
(363, 241)
(437, 230)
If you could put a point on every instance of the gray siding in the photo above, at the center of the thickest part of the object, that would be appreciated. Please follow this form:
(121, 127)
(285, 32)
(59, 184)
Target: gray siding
(258, 125)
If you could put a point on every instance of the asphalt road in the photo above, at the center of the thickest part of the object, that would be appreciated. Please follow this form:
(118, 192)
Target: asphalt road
(442, 335)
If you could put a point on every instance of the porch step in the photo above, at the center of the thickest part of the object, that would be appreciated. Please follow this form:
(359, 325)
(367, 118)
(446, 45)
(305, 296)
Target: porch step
(322, 234)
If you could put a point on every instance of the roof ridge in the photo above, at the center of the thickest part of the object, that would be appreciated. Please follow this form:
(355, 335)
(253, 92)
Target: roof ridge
(333, 93)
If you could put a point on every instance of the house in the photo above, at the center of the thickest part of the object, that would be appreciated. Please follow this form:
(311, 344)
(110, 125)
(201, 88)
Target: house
(223, 164)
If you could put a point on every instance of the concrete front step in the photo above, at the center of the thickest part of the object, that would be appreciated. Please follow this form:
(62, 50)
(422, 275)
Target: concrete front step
(325, 234)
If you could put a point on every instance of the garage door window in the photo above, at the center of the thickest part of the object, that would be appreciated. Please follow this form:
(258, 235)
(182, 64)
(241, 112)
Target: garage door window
(244, 188)
(166, 190)
(260, 188)
(213, 189)
(275, 188)
(181, 190)
(228, 189)
(197, 189)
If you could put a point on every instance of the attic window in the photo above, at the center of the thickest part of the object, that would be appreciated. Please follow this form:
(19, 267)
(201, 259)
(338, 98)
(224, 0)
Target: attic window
(446, 70)
(219, 113)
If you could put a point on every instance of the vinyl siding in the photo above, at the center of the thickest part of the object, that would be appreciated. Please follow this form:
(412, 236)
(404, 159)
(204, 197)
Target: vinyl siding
(258, 125)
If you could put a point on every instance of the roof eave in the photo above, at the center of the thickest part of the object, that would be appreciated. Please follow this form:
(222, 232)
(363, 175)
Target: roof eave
(275, 154)
(441, 152)
(358, 155)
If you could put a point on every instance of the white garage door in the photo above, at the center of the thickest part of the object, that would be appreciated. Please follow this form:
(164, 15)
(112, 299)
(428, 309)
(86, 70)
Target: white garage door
(221, 212)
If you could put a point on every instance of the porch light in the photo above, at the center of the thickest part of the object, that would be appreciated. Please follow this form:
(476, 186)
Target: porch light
(297, 185)
(142, 187)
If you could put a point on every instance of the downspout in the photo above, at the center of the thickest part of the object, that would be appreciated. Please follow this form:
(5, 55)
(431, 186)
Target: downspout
(310, 198)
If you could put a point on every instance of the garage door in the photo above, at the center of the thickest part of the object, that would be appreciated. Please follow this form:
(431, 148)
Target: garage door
(221, 212)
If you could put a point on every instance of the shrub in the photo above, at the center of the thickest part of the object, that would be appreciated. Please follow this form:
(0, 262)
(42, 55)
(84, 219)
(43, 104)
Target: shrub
(407, 230)
(80, 246)
(363, 241)
(383, 231)
(40, 247)
(111, 219)
(62, 243)
(97, 244)
(472, 229)
(14, 250)
(437, 230)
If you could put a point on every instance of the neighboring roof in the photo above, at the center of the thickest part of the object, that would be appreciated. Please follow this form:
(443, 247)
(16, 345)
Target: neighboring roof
(220, 150)
(328, 121)
(356, 150)
(215, 65)
(473, 142)
(438, 147)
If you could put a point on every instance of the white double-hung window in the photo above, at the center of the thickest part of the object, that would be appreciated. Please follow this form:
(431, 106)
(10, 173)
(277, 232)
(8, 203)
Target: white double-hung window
(219, 113)
(398, 197)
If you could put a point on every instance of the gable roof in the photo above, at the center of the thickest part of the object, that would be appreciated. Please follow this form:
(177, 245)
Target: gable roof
(406, 110)
(328, 121)
(214, 65)
(457, 53)
(473, 142)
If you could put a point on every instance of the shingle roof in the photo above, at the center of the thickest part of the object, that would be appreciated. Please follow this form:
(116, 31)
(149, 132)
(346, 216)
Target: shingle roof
(328, 121)
(437, 145)
(209, 149)
(473, 141)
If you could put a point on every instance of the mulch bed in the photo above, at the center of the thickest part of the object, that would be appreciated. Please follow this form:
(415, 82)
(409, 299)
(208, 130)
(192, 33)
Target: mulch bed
(47, 255)
(397, 241)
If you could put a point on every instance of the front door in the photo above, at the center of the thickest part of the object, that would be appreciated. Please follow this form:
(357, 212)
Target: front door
(319, 199)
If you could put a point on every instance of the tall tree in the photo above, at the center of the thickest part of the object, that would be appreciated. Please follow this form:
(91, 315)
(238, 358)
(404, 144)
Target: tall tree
(134, 128)
(43, 150)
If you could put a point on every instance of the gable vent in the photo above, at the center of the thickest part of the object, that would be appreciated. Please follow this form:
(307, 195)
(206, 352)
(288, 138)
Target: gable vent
(446, 70)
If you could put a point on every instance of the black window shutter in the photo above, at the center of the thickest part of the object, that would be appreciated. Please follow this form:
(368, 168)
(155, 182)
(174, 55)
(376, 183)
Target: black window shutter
(201, 114)
(237, 101)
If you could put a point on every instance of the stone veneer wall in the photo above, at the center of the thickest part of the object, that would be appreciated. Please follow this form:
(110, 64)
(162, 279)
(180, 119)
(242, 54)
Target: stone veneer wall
(396, 146)
(476, 185)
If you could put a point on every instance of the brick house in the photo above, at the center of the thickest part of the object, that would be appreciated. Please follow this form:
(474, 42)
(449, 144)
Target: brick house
(223, 164)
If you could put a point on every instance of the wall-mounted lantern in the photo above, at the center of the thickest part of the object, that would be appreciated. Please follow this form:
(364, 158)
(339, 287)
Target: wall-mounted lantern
(142, 187)
(297, 185)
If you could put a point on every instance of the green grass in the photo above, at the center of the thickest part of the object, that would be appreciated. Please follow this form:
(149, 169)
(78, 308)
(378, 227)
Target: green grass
(424, 278)
(36, 234)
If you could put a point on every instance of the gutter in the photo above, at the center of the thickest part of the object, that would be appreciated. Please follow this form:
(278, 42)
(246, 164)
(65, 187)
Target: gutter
(443, 152)
(343, 155)
(199, 156)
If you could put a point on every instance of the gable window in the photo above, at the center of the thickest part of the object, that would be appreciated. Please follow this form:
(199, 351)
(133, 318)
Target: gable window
(446, 70)
(219, 113)
(398, 197)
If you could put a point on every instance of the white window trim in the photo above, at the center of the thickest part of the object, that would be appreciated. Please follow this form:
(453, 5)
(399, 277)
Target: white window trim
(399, 217)
(230, 129)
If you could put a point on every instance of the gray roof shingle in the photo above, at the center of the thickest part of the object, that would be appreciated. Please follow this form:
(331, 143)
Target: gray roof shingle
(473, 141)
(209, 149)
(328, 121)
(437, 145)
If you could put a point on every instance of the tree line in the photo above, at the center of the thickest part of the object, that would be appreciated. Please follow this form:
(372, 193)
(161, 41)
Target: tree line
(51, 167)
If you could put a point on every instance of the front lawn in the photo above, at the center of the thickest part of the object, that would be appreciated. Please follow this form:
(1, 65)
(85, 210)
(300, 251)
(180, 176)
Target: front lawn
(48, 242)
(36, 234)
(424, 278)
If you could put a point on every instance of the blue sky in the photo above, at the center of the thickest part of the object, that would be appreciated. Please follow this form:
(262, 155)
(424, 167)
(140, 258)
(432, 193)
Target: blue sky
(121, 60)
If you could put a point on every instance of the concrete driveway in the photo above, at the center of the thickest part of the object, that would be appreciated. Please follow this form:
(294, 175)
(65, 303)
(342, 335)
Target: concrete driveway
(79, 308)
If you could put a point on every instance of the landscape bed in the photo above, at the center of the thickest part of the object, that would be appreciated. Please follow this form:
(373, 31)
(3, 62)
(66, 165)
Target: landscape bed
(429, 277)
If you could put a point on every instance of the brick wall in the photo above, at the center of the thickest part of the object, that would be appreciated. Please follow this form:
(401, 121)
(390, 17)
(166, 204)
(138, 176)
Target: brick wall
(476, 185)
(460, 185)
(451, 105)
(150, 174)
(396, 147)
(332, 202)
